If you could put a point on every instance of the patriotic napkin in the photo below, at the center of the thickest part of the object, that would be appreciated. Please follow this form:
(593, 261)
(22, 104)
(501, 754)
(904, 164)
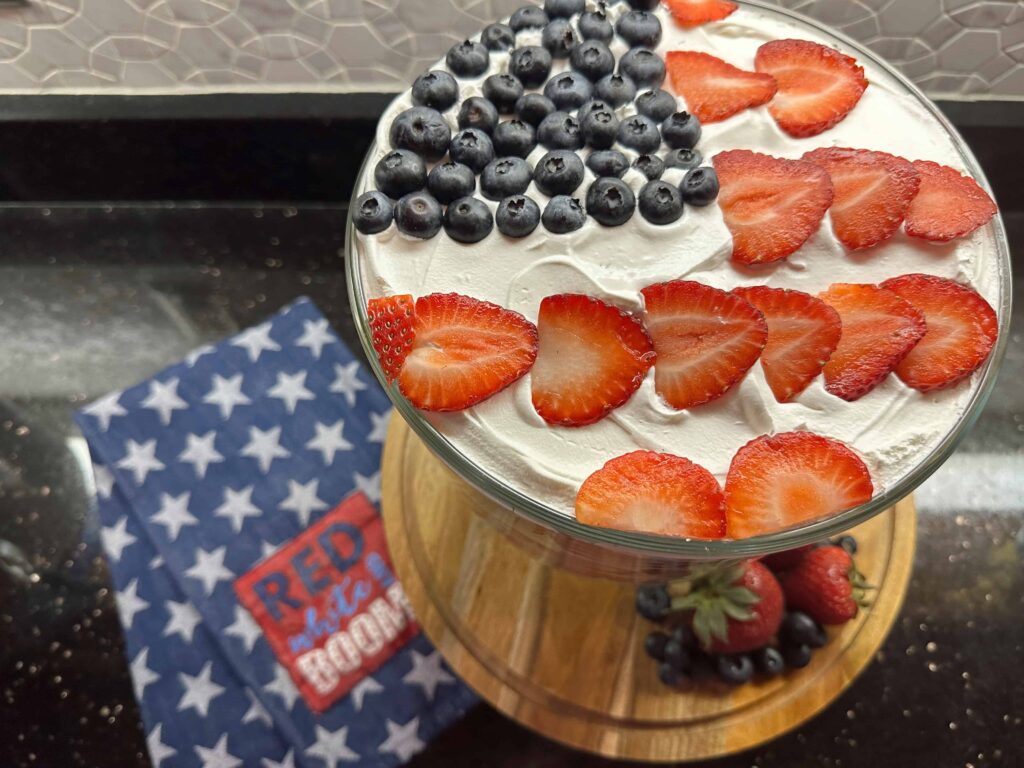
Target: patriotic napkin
(261, 616)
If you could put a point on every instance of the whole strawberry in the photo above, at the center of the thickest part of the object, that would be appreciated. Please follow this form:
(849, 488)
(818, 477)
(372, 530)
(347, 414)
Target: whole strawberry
(734, 610)
(825, 585)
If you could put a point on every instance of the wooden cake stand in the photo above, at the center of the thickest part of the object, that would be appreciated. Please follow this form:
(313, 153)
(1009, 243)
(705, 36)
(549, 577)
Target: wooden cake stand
(563, 654)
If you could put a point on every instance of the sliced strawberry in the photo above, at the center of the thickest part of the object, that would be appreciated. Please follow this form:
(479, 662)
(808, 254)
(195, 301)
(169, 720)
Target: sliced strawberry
(715, 89)
(818, 85)
(591, 358)
(770, 205)
(391, 324)
(961, 331)
(706, 340)
(782, 480)
(949, 204)
(879, 329)
(465, 350)
(654, 493)
(803, 332)
(691, 13)
(873, 192)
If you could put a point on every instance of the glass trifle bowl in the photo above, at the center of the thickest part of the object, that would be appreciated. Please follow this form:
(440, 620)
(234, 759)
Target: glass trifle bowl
(530, 470)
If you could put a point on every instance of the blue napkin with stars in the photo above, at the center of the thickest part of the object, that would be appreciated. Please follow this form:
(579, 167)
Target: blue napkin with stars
(205, 471)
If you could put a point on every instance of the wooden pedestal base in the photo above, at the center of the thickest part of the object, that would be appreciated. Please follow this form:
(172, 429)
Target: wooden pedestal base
(562, 654)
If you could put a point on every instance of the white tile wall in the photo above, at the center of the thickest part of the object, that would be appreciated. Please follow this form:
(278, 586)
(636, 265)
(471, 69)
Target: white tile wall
(952, 48)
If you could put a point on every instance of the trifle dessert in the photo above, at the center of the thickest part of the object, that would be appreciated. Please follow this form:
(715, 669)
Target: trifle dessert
(687, 268)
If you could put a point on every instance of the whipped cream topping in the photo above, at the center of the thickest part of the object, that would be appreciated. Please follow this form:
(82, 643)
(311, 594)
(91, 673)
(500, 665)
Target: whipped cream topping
(893, 427)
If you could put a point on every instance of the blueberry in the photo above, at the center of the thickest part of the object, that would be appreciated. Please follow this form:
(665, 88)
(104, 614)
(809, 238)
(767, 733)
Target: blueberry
(560, 172)
(559, 38)
(505, 177)
(568, 90)
(590, 106)
(848, 543)
(699, 186)
(644, 5)
(640, 133)
(374, 213)
(685, 159)
(472, 147)
(400, 172)
(503, 91)
(531, 64)
(615, 89)
(681, 130)
(563, 214)
(594, 25)
(468, 59)
(660, 202)
(592, 59)
(669, 675)
(436, 89)
(450, 181)
(517, 216)
(611, 201)
(608, 162)
(769, 661)
(735, 670)
(639, 28)
(650, 166)
(528, 17)
(677, 655)
(498, 37)
(600, 128)
(644, 66)
(418, 215)
(563, 8)
(514, 138)
(685, 635)
(477, 112)
(421, 130)
(656, 104)
(468, 220)
(560, 130)
(533, 108)
(800, 629)
(654, 645)
(702, 666)
(797, 656)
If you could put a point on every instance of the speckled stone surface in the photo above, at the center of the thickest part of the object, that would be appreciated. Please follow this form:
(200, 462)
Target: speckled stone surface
(949, 47)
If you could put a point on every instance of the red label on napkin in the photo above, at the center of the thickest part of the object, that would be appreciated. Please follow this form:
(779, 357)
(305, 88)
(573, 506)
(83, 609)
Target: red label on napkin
(329, 604)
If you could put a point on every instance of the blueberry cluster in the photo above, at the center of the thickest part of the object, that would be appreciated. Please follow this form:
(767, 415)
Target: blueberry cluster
(433, 174)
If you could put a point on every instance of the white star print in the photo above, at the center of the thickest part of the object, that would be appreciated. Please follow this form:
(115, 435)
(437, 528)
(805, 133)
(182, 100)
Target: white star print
(193, 357)
(256, 341)
(267, 549)
(142, 675)
(226, 394)
(199, 690)
(265, 447)
(141, 460)
(116, 538)
(129, 603)
(256, 711)
(182, 621)
(380, 423)
(244, 628)
(218, 756)
(329, 440)
(163, 398)
(156, 562)
(347, 382)
(332, 747)
(302, 499)
(427, 673)
(402, 740)
(283, 687)
(158, 751)
(315, 334)
(105, 409)
(237, 506)
(290, 389)
(363, 687)
(368, 485)
(103, 479)
(209, 568)
(200, 452)
(174, 514)
(287, 762)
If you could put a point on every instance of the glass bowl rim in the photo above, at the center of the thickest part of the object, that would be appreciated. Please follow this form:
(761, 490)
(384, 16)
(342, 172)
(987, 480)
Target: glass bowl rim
(683, 549)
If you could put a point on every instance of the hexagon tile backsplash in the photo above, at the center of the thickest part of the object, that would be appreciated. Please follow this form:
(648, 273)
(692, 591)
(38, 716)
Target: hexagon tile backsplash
(952, 48)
